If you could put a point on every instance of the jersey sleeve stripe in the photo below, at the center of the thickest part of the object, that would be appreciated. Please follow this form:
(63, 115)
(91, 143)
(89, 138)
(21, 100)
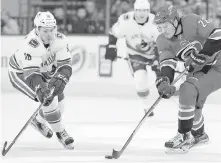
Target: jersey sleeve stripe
(31, 67)
(13, 64)
(21, 85)
(168, 62)
(216, 35)
(168, 65)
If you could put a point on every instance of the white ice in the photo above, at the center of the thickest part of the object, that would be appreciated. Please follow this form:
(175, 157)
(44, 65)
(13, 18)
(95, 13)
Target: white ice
(100, 124)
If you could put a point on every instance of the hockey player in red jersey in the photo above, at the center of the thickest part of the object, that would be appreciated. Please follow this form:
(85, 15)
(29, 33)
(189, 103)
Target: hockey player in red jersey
(196, 42)
(41, 63)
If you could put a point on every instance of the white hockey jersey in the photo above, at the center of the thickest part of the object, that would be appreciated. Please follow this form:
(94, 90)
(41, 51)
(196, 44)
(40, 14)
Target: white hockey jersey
(34, 57)
(140, 39)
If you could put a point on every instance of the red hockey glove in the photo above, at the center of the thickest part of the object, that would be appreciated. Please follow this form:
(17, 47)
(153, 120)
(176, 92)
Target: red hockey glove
(44, 94)
(195, 62)
(164, 87)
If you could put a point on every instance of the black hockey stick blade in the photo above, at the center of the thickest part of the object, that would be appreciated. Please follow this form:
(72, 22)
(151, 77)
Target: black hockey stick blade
(4, 150)
(115, 155)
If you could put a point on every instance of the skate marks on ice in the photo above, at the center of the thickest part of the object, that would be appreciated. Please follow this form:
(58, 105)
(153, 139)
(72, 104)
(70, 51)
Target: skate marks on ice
(92, 151)
(99, 125)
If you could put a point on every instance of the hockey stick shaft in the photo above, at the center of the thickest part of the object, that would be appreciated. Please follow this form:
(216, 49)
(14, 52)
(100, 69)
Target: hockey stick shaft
(5, 150)
(132, 60)
(146, 115)
(140, 62)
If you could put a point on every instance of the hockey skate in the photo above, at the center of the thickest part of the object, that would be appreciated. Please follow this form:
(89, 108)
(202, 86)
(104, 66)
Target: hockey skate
(200, 139)
(181, 143)
(65, 139)
(42, 128)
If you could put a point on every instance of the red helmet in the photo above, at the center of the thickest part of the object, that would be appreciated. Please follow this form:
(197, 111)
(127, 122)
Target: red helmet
(166, 13)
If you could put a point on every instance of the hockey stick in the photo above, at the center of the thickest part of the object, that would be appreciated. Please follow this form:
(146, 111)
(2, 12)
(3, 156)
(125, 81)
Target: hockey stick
(132, 60)
(5, 150)
(140, 62)
(116, 154)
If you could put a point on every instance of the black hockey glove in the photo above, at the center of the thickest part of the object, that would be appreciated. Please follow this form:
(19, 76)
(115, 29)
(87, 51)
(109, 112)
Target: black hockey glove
(60, 79)
(44, 94)
(164, 87)
(195, 62)
(111, 52)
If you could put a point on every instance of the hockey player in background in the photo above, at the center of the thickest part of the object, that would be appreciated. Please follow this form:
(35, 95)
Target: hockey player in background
(40, 64)
(196, 42)
(140, 33)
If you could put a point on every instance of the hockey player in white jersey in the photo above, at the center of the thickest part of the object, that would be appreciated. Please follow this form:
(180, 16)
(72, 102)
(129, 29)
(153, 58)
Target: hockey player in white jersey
(41, 63)
(140, 33)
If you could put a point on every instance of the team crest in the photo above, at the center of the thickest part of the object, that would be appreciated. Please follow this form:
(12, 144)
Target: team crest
(170, 9)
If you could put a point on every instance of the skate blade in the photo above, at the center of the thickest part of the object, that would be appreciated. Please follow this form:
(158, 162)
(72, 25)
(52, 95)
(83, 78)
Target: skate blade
(69, 146)
(199, 144)
(46, 135)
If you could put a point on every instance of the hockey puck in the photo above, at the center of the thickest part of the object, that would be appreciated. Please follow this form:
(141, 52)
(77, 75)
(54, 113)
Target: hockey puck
(108, 157)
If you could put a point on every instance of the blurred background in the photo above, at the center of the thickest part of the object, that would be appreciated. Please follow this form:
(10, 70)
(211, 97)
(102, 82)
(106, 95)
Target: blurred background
(86, 23)
(90, 17)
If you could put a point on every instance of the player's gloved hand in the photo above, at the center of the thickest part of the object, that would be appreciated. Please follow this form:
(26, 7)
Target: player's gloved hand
(44, 94)
(111, 52)
(164, 87)
(58, 82)
(195, 62)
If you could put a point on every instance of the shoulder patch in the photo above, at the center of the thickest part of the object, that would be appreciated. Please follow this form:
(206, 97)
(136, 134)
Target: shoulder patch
(34, 43)
(60, 35)
(126, 17)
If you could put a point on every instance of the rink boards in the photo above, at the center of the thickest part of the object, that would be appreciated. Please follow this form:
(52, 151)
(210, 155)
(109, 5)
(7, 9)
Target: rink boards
(85, 80)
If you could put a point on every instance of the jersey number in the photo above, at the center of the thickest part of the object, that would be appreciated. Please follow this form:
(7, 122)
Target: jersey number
(27, 56)
(204, 22)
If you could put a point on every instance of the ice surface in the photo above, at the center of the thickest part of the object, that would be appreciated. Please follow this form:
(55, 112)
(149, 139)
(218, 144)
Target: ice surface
(100, 124)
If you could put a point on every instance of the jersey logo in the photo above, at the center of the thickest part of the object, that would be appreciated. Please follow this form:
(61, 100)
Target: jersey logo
(59, 35)
(126, 16)
(28, 56)
(34, 43)
(185, 52)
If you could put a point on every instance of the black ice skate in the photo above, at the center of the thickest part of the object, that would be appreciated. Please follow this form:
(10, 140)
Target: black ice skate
(42, 128)
(65, 139)
(181, 143)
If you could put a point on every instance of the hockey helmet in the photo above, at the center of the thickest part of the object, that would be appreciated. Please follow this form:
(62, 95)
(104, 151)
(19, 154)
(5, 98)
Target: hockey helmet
(166, 13)
(44, 19)
(141, 4)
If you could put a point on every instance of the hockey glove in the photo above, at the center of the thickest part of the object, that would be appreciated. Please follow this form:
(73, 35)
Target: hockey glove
(164, 87)
(195, 62)
(44, 94)
(59, 82)
(111, 52)
(60, 79)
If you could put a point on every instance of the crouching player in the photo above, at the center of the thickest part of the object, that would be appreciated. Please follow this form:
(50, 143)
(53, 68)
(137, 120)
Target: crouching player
(40, 64)
(198, 44)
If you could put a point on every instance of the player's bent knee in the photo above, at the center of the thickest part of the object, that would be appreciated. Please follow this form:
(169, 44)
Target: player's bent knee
(140, 78)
